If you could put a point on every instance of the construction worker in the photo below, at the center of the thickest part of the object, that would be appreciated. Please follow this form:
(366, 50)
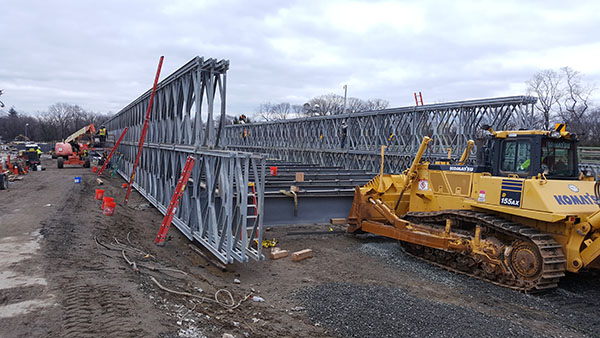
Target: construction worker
(102, 133)
(74, 147)
(343, 133)
(39, 151)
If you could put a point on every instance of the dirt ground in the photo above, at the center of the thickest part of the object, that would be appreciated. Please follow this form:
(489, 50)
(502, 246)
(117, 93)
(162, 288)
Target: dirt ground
(64, 273)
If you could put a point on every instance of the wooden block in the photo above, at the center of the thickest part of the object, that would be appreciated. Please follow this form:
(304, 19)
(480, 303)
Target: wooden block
(299, 177)
(301, 255)
(277, 253)
(342, 221)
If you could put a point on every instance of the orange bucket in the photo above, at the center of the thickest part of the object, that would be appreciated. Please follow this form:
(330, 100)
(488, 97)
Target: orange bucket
(99, 194)
(105, 200)
(273, 171)
(95, 169)
(109, 208)
(124, 185)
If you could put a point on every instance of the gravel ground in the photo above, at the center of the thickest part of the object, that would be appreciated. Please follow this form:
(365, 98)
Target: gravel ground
(352, 310)
(445, 304)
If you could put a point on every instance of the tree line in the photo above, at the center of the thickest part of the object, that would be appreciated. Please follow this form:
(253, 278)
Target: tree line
(329, 104)
(563, 97)
(58, 122)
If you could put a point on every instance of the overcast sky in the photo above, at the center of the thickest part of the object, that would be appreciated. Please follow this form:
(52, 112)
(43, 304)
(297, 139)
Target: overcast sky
(102, 55)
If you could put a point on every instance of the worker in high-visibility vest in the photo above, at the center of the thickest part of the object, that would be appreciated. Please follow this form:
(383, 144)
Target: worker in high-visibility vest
(102, 134)
(38, 151)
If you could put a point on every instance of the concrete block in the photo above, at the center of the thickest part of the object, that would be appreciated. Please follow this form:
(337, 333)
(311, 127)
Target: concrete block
(301, 255)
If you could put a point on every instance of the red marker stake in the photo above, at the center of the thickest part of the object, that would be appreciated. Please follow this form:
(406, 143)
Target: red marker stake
(144, 130)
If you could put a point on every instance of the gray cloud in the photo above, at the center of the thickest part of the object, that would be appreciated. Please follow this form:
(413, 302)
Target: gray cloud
(103, 55)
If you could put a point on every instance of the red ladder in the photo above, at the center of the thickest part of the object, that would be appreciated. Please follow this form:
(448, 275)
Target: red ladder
(112, 152)
(144, 130)
(181, 184)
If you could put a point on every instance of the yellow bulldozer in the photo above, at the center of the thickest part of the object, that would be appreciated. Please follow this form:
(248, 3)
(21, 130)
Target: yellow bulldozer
(519, 217)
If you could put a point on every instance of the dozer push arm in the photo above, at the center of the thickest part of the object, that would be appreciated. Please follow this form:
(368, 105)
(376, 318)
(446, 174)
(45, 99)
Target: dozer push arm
(465, 154)
(411, 172)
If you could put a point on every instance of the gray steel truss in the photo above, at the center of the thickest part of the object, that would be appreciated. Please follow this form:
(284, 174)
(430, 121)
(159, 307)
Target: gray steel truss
(184, 106)
(222, 205)
(318, 140)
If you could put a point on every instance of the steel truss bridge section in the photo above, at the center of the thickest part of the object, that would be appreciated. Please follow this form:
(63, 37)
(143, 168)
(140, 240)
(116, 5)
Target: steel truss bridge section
(318, 140)
(222, 205)
(184, 106)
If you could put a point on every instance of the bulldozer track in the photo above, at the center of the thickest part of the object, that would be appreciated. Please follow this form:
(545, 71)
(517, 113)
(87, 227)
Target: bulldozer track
(550, 251)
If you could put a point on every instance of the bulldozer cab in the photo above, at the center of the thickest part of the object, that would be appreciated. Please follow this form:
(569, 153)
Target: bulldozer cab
(529, 154)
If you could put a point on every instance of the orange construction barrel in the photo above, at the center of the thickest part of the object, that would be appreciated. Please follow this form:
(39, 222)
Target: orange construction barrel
(99, 194)
(273, 171)
(95, 169)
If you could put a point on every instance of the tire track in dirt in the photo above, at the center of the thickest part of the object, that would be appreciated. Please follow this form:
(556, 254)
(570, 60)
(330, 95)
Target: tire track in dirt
(92, 311)
(97, 298)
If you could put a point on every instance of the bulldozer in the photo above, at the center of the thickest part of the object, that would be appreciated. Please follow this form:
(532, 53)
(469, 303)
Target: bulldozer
(520, 216)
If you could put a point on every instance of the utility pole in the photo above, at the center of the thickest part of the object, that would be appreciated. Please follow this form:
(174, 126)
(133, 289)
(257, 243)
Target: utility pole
(345, 97)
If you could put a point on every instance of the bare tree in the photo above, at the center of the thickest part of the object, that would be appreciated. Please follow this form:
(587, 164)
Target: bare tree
(333, 104)
(356, 105)
(265, 112)
(297, 110)
(593, 136)
(282, 111)
(576, 100)
(279, 111)
(376, 104)
(329, 104)
(545, 84)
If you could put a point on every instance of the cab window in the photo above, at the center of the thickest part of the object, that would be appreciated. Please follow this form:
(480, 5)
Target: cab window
(516, 157)
(558, 158)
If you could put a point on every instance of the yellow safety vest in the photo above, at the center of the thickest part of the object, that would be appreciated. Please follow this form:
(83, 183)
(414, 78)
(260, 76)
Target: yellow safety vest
(102, 132)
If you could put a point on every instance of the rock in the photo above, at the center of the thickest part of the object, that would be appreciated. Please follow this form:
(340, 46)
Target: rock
(258, 299)
(228, 335)
(236, 281)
